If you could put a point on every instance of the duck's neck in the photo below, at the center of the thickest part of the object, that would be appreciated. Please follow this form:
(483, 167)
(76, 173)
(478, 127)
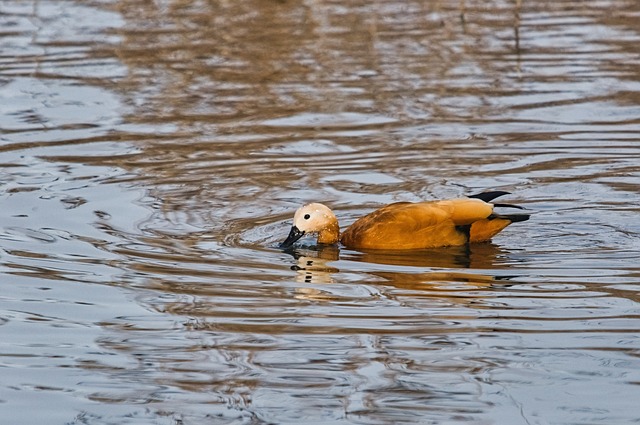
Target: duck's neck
(330, 234)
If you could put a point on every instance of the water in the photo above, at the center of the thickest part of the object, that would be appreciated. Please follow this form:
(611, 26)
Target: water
(152, 156)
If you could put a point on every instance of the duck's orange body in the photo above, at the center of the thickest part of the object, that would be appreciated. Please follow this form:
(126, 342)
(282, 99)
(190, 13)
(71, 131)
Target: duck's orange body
(406, 225)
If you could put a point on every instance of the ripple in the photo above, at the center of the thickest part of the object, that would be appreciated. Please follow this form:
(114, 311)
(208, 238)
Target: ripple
(342, 120)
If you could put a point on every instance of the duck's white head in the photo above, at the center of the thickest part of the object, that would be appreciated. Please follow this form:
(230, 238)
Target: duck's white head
(311, 219)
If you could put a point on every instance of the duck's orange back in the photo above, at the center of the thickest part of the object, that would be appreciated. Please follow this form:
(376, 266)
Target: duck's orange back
(406, 225)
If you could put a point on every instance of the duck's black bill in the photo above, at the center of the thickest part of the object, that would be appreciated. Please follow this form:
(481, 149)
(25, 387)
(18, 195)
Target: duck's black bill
(294, 235)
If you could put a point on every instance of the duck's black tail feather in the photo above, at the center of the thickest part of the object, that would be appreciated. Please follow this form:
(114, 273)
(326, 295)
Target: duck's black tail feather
(514, 218)
(490, 196)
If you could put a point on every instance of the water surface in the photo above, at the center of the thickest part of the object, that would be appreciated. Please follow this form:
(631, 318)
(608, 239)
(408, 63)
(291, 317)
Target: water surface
(152, 156)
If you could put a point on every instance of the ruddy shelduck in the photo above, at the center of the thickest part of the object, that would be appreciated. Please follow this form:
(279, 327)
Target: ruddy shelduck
(407, 225)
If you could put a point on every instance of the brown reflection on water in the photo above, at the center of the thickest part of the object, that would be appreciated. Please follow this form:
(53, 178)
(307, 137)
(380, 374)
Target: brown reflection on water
(250, 60)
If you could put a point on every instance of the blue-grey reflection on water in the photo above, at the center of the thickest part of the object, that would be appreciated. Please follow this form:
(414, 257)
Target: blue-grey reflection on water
(152, 155)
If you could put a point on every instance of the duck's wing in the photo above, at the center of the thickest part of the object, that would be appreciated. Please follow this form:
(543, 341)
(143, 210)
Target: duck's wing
(464, 211)
(476, 217)
(417, 225)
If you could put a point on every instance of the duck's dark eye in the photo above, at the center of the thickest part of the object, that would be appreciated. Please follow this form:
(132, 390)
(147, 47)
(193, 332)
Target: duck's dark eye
(307, 216)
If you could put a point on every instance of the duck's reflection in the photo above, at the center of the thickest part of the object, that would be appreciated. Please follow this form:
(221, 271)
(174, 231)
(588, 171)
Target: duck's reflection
(473, 256)
(314, 264)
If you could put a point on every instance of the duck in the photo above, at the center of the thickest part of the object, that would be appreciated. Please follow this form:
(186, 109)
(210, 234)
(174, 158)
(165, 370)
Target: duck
(408, 225)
